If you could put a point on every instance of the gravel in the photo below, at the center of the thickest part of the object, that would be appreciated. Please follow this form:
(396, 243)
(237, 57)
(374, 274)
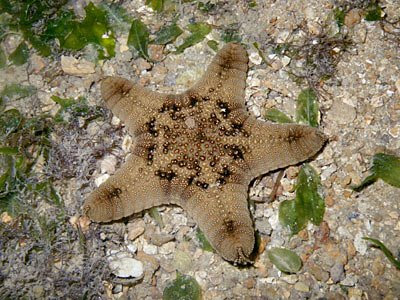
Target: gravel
(360, 112)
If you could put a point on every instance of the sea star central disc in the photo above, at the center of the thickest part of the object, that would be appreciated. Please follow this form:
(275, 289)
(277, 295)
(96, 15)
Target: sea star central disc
(199, 150)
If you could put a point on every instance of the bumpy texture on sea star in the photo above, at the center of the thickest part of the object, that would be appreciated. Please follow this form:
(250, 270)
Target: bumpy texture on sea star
(198, 150)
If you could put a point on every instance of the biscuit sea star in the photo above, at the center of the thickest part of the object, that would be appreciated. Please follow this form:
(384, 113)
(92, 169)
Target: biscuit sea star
(199, 150)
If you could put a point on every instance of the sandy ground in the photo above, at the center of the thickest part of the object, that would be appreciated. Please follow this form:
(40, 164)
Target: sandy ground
(356, 73)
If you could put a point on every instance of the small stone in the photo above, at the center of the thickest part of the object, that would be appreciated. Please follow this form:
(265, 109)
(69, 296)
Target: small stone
(107, 165)
(126, 267)
(329, 200)
(350, 280)
(360, 244)
(333, 254)
(156, 52)
(127, 143)
(256, 111)
(285, 60)
(347, 193)
(318, 272)
(337, 272)
(159, 72)
(351, 250)
(115, 121)
(84, 223)
(263, 226)
(395, 131)
(123, 43)
(249, 283)
(341, 113)
(397, 84)
(135, 232)
(378, 268)
(276, 65)
(327, 171)
(182, 261)
(72, 66)
(5, 218)
(81, 222)
(255, 58)
(394, 215)
(142, 64)
(314, 28)
(377, 101)
(360, 34)
(334, 296)
(354, 294)
(37, 63)
(282, 36)
(303, 234)
(101, 179)
(255, 82)
(292, 172)
(117, 289)
(132, 248)
(322, 234)
(160, 239)
(150, 262)
(352, 18)
(291, 279)
(345, 181)
(167, 248)
(38, 291)
(301, 287)
(150, 249)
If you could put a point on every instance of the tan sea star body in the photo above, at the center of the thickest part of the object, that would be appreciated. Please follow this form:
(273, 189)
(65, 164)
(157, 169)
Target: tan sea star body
(199, 150)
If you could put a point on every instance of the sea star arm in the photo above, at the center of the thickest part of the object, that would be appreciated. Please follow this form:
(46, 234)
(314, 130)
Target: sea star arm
(275, 146)
(131, 190)
(222, 214)
(225, 77)
(130, 102)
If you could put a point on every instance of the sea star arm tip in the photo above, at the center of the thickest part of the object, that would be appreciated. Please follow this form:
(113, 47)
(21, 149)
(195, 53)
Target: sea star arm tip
(128, 191)
(222, 214)
(276, 146)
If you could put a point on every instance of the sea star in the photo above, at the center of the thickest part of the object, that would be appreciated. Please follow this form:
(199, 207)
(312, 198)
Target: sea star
(199, 150)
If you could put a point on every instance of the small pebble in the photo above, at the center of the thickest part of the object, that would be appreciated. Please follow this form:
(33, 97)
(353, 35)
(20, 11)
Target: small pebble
(135, 233)
(115, 121)
(150, 249)
(160, 239)
(341, 113)
(182, 261)
(255, 58)
(291, 279)
(117, 289)
(101, 179)
(126, 267)
(352, 18)
(38, 291)
(132, 248)
(127, 143)
(107, 165)
(142, 64)
(301, 287)
(337, 272)
(72, 66)
(167, 248)
(318, 272)
(249, 283)
(354, 294)
(350, 280)
(378, 267)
